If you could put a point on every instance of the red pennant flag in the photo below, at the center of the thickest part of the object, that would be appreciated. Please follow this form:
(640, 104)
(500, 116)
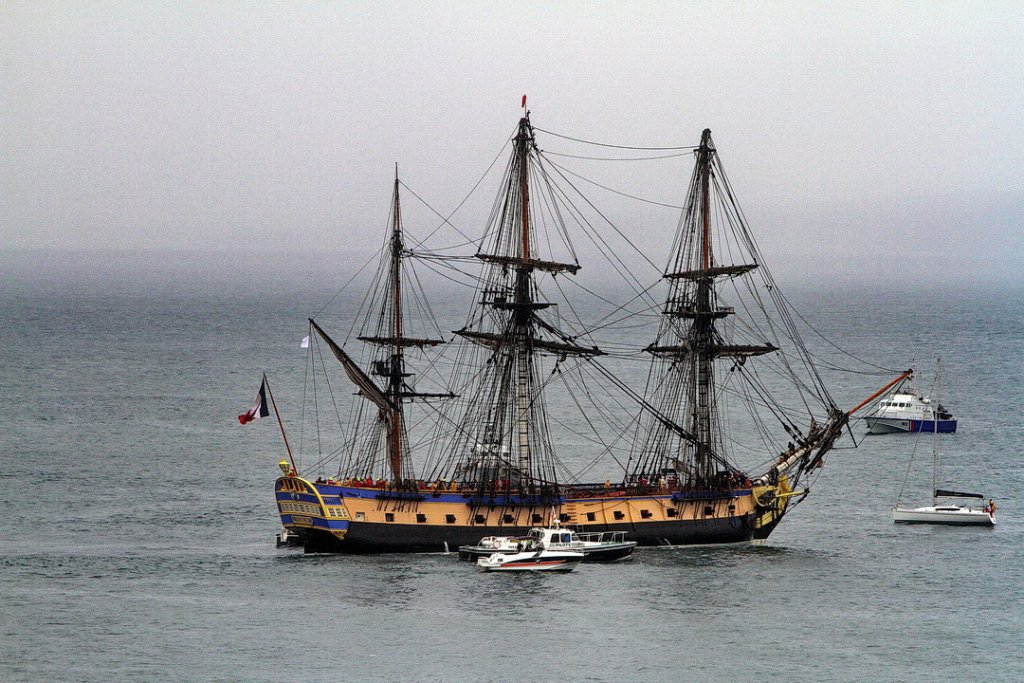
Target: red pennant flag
(259, 408)
(523, 105)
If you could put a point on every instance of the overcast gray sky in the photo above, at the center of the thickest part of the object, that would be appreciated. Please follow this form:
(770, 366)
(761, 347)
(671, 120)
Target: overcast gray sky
(869, 136)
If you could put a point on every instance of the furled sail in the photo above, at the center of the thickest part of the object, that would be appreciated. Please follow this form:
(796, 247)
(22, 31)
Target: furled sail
(714, 271)
(494, 340)
(367, 387)
(548, 266)
(946, 493)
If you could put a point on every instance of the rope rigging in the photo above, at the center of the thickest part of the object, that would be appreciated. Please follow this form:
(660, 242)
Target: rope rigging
(600, 144)
(498, 382)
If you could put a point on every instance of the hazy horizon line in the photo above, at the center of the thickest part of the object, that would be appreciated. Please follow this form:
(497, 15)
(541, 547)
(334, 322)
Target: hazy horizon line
(195, 267)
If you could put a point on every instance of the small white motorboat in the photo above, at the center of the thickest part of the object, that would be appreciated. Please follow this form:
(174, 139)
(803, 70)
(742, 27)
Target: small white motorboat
(288, 539)
(533, 558)
(597, 546)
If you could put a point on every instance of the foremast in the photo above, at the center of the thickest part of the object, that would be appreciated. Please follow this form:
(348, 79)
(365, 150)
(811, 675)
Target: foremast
(699, 332)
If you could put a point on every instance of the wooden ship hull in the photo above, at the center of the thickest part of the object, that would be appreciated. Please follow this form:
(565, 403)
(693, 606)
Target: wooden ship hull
(330, 518)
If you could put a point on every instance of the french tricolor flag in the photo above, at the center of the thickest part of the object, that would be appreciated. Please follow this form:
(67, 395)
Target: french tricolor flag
(259, 408)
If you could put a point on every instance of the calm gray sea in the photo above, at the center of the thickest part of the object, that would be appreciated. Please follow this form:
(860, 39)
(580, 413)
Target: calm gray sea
(138, 517)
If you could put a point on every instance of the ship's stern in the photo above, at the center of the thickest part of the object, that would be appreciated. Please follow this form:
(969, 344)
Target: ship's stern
(315, 513)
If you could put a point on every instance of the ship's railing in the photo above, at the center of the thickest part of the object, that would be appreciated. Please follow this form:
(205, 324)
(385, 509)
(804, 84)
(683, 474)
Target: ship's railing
(601, 536)
(412, 489)
(515, 499)
(704, 495)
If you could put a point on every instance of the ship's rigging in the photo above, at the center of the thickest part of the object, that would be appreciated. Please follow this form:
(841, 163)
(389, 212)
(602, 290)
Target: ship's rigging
(384, 330)
(720, 316)
(725, 347)
(503, 442)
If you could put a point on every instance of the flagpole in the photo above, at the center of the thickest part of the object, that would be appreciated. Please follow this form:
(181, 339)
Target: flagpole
(280, 424)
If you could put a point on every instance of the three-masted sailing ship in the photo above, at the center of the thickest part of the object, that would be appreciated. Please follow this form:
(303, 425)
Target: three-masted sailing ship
(725, 347)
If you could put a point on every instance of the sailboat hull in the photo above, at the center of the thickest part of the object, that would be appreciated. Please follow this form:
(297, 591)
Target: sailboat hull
(336, 519)
(956, 515)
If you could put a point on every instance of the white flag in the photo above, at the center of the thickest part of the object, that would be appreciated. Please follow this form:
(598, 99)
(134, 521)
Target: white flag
(305, 342)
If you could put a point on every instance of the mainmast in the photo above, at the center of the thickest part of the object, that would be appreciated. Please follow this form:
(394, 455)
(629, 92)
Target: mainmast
(505, 422)
(523, 297)
(703, 323)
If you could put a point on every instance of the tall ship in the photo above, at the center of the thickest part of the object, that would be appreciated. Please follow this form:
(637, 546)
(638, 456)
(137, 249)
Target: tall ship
(727, 377)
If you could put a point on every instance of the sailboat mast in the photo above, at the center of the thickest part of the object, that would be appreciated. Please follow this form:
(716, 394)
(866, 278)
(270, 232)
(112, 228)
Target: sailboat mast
(935, 434)
(523, 299)
(397, 360)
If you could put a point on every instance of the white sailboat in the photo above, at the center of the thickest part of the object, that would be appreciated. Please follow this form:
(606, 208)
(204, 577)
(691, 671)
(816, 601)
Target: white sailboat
(960, 514)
